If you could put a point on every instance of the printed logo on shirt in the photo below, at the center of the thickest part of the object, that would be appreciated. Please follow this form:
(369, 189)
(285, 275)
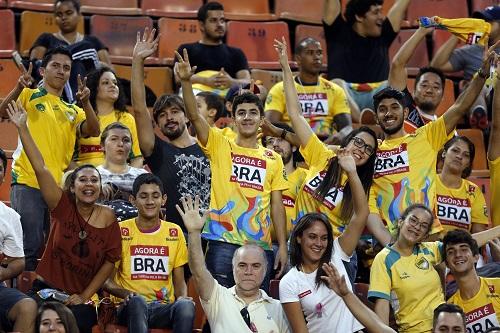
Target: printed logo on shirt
(288, 202)
(148, 262)
(248, 171)
(85, 149)
(305, 293)
(334, 196)
(125, 231)
(480, 319)
(314, 104)
(422, 263)
(173, 232)
(453, 211)
(393, 161)
(491, 288)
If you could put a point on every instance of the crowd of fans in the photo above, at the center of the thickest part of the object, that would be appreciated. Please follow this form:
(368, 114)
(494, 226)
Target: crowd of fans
(111, 215)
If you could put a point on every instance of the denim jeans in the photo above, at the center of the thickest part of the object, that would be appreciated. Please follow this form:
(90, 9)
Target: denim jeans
(219, 261)
(139, 316)
(30, 205)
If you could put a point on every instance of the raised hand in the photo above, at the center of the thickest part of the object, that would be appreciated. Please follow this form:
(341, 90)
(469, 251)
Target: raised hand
(281, 48)
(346, 160)
(83, 93)
(17, 113)
(190, 213)
(489, 57)
(26, 80)
(334, 280)
(146, 45)
(183, 68)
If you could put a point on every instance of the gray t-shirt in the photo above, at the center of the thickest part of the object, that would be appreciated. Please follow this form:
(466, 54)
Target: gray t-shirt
(467, 58)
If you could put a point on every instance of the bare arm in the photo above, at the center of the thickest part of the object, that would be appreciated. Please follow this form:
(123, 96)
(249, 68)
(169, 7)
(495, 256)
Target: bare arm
(442, 58)
(382, 309)
(180, 287)
(98, 280)
(185, 72)
(397, 13)
(295, 317)
(268, 129)
(114, 289)
(90, 126)
(278, 217)
(494, 144)
(478, 227)
(273, 115)
(205, 283)
(145, 46)
(14, 267)
(104, 57)
(484, 237)
(331, 9)
(38, 52)
(24, 81)
(378, 230)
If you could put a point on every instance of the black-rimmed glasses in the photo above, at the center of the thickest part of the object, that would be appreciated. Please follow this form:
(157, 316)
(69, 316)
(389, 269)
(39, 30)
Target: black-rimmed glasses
(360, 143)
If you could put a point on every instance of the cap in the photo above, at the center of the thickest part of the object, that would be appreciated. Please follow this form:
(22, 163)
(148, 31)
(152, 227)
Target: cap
(234, 90)
(491, 13)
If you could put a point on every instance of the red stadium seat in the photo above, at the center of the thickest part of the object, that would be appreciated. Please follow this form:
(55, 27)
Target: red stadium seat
(484, 184)
(442, 8)
(274, 289)
(5, 187)
(448, 97)
(171, 8)
(478, 5)
(268, 78)
(307, 11)
(315, 31)
(3, 3)
(115, 7)
(8, 40)
(40, 5)
(158, 79)
(256, 39)
(8, 69)
(8, 137)
(476, 136)
(175, 32)
(420, 57)
(255, 10)
(119, 34)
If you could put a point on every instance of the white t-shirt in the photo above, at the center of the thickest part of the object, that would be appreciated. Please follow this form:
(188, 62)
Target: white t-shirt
(223, 312)
(124, 181)
(297, 286)
(11, 233)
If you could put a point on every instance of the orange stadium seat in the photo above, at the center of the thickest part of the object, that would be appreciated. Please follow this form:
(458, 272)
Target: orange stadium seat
(5, 187)
(8, 137)
(443, 8)
(33, 24)
(171, 8)
(420, 57)
(448, 97)
(476, 136)
(315, 31)
(8, 40)
(3, 3)
(268, 78)
(107, 28)
(115, 7)
(478, 5)
(158, 79)
(175, 32)
(41, 5)
(484, 184)
(308, 11)
(8, 69)
(256, 39)
(255, 10)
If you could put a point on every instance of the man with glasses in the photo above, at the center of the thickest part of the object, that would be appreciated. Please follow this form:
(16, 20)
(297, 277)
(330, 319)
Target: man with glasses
(243, 307)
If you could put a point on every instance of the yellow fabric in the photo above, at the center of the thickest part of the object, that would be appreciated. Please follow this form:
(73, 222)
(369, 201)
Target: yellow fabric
(240, 197)
(483, 310)
(89, 150)
(320, 104)
(405, 173)
(468, 30)
(53, 123)
(495, 191)
(317, 156)
(459, 208)
(370, 86)
(411, 284)
(294, 181)
(229, 133)
(148, 259)
(202, 87)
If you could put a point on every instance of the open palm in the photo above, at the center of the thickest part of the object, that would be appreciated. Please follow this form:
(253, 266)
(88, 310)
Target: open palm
(146, 44)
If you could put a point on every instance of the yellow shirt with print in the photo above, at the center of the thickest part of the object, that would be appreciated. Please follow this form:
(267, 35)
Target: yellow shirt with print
(495, 191)
(148, 259)
(405, 173)
(53, 124)
(483, 310)
(240, 197)
(320, 103)
(317, 156)
(89, 150)
(410, 284)
(459, 208)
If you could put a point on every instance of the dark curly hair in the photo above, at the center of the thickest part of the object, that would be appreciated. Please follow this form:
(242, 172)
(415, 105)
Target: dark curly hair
(93, 79)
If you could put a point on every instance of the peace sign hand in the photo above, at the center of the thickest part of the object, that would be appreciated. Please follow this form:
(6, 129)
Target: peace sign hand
(183, 68)
(83, 93)
(26, 80)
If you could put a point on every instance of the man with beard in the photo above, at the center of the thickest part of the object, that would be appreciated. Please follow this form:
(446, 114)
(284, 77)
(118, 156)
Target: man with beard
(324, 104)
(405, 171)
(218, 66)
(179, 163)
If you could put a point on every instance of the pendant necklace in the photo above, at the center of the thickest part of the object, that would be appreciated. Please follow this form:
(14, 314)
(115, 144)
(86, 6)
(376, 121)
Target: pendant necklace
(83, 234)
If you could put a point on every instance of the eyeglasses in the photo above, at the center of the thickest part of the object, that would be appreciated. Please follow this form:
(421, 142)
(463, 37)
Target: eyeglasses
(415, 223)
(246, 317)
(360, 143)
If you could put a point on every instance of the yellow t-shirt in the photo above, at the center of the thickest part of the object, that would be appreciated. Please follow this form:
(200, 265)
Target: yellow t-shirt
(411, 284)
(317, 157)
(148, 259)
(320, 104)
(483, 310)
(228, 132)
(53, 124)
(495, 191)
(459, 208)
(240, 197)
(89, 150)
(405, 173)
(294, 181)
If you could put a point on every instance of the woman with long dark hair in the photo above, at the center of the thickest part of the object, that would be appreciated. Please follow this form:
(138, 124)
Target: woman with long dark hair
(55, 317)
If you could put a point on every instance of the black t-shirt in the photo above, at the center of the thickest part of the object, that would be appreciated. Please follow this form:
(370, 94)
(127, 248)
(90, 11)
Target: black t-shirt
(214, 57)
(414, 117)
(354, 58)
(183, 171)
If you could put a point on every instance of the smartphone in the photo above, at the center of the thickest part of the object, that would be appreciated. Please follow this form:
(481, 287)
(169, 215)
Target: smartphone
(18, 60)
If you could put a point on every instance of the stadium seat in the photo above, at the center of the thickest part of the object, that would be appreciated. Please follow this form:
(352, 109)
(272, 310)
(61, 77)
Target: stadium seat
(175, 32)
(315, 31)
(255, 10)
(307, 11)
(420, 57)
(171, 8)
(109, 28)
(274, 289)
(40, 5)
(5, 187)
(476, 136)
(478, 5)
(33, 24)
(8, 40)
(484, 184)
(115, 7)
(8, 69)
(8, 137)
(25, 280)
(361, 290)
(200, 318)
(442, 8)
(256, 39)
(268, 78)
(3, 3)
(158, 79)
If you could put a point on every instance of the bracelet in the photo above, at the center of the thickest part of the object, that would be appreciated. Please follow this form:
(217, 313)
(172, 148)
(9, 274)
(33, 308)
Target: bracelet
(481, 73)
(283, 133)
